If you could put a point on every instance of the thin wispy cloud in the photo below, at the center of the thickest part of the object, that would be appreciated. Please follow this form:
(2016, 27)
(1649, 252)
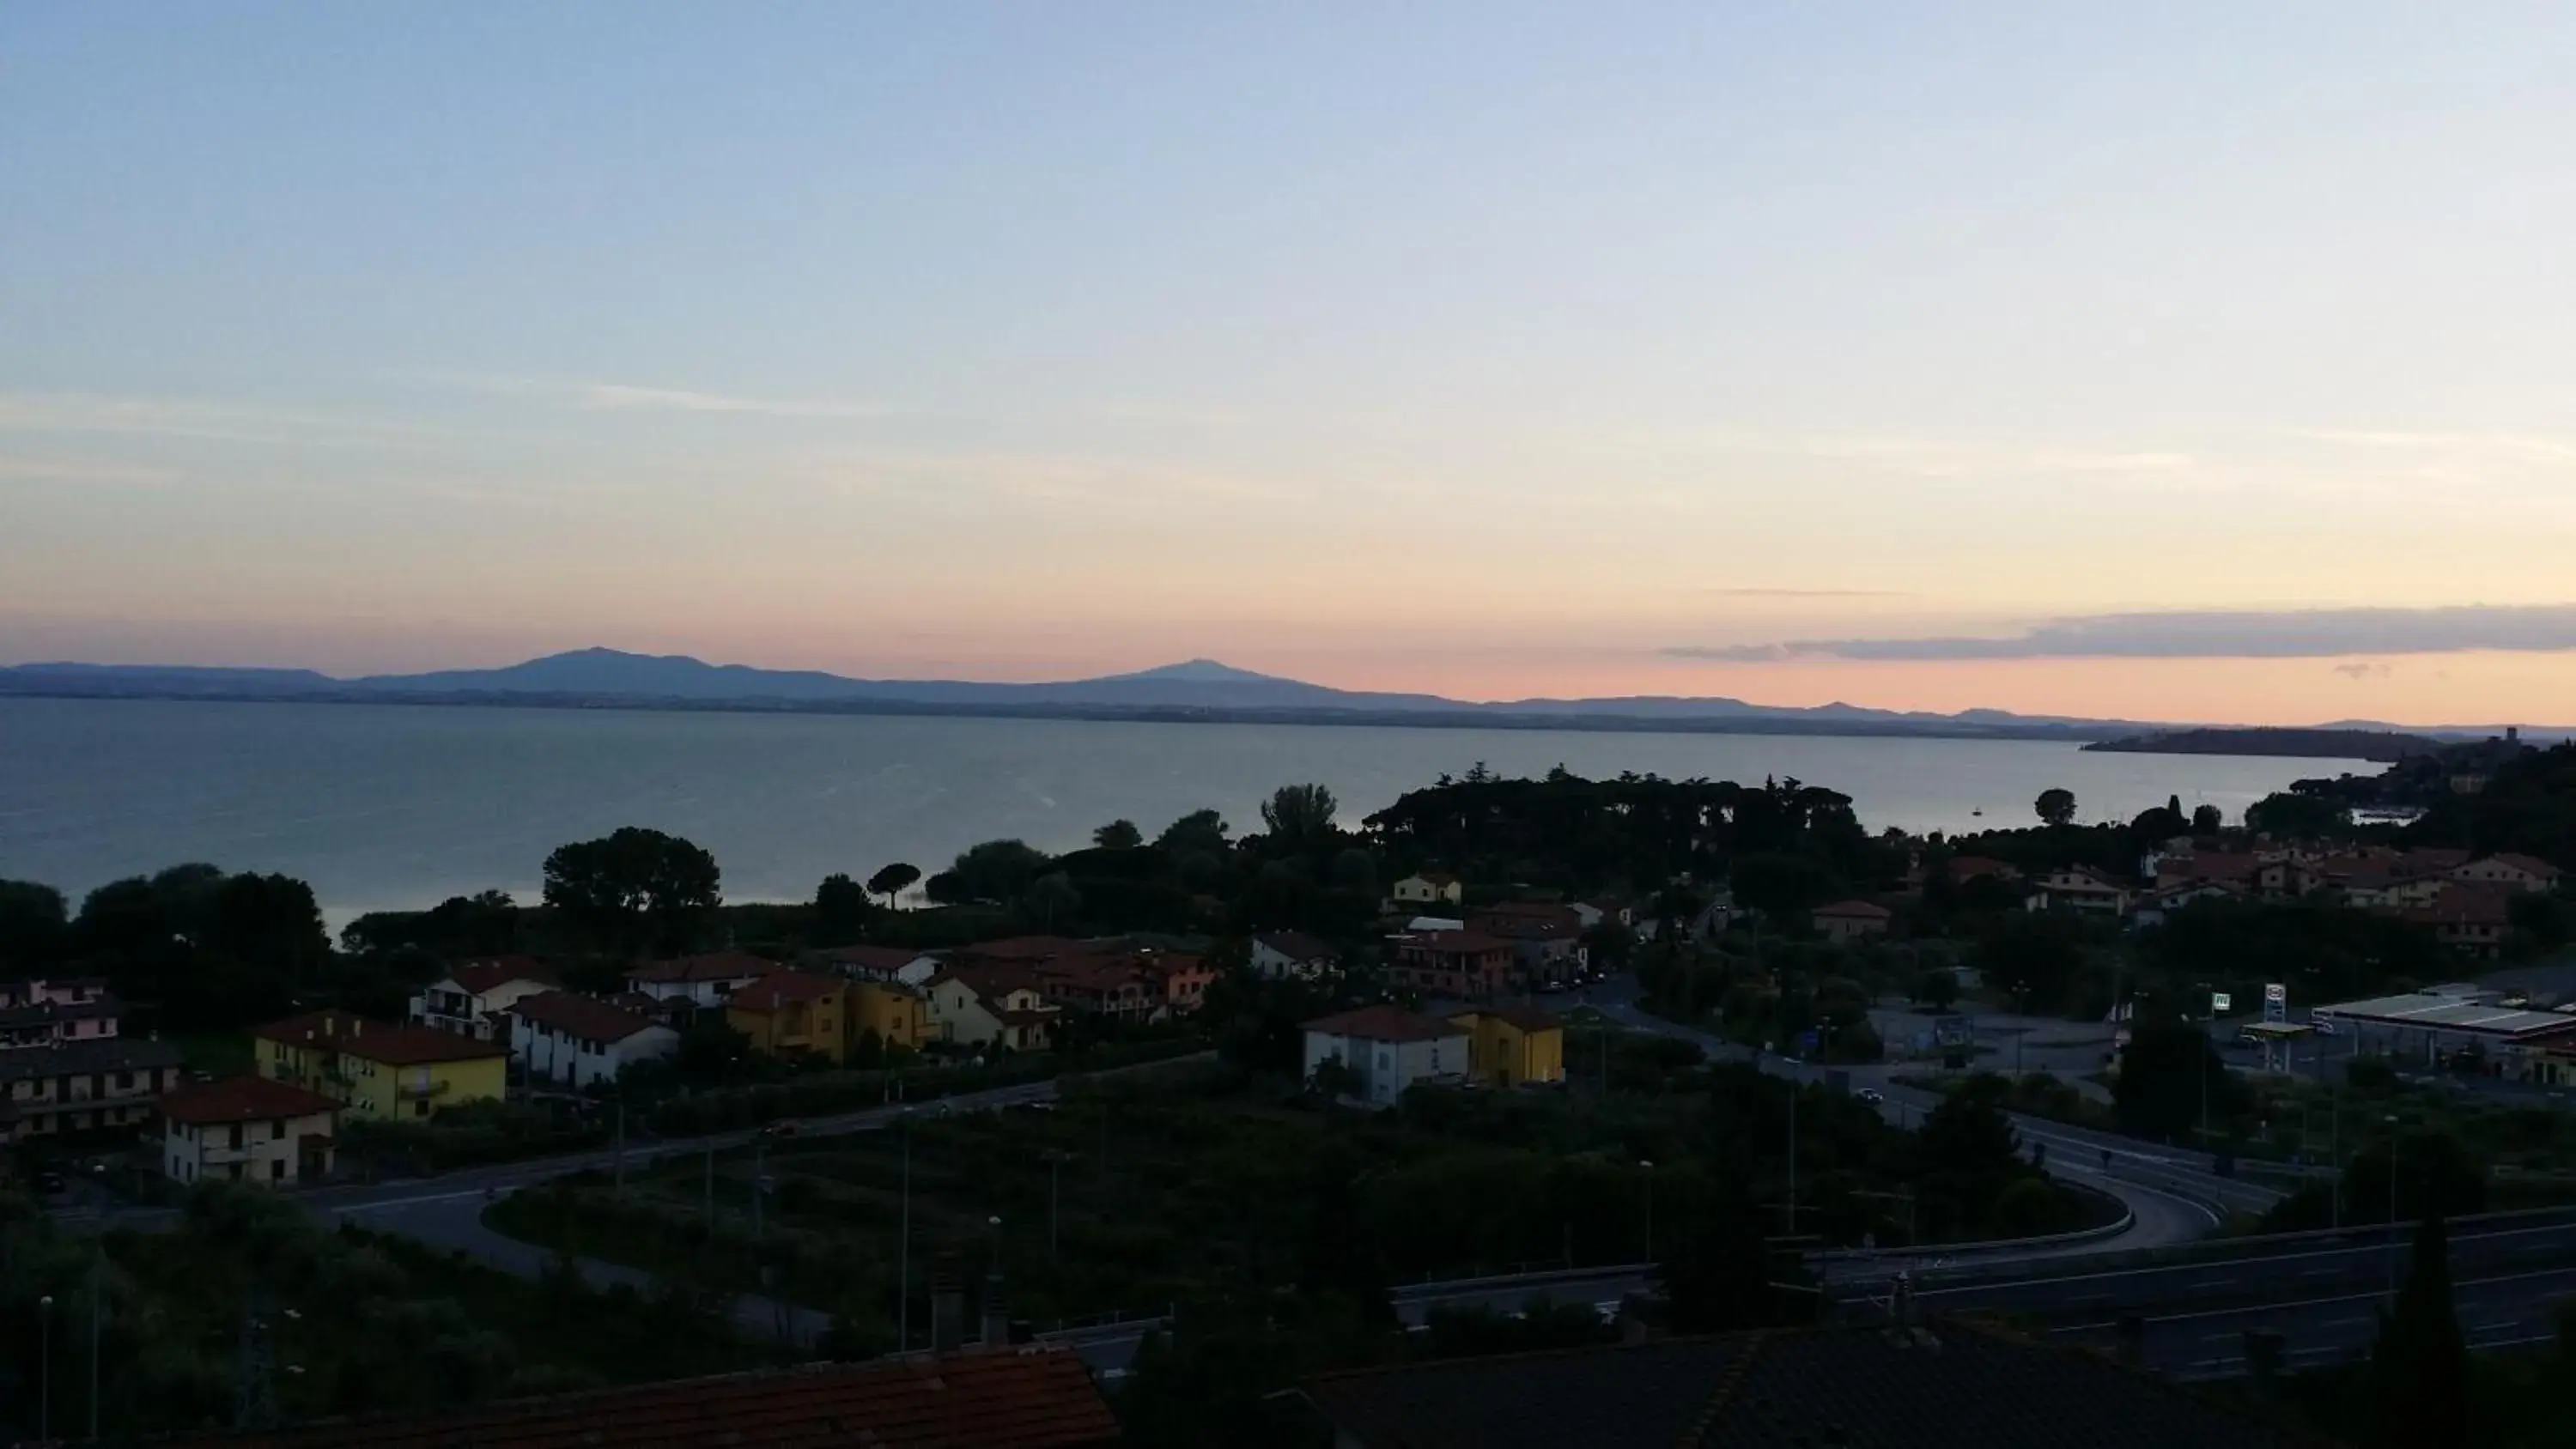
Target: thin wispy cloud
(1932, 457)
(1758, 593)
(200, 419)
(2523, 446)
(631, 397)
(2207, 634)
(78, 470)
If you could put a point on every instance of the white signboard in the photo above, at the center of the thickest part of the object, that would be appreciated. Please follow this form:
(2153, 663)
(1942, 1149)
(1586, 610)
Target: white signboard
(2220, 1003)
(2276, 1002)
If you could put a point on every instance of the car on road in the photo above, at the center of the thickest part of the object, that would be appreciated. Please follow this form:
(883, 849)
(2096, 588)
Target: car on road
(785, 1128)
(1872, 1095)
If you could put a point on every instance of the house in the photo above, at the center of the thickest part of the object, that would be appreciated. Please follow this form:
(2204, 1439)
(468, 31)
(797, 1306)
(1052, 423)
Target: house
(1939, 1386)
(1547, 940)
(84, 1086)
(981, 1397)
(1430, 888)
(699, 982)
(1185, 979)
(470, 999)
(1512, 1046)
(1599, 909)
(1457, 964)
(381, 1070)
(2517, 872)
(991, 1006)
(581, 1041)
(56, 1012)
(1289, 955)
(880, 963)
(793, 1014)
(1844, 922)
(2083, 889)
(898, 1014)
(2471, 919)
(1387, 1050)
(1965, 868)
(247, 1130)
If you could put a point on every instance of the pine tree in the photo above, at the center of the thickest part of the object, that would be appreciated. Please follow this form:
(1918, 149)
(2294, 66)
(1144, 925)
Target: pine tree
(2419, 1370)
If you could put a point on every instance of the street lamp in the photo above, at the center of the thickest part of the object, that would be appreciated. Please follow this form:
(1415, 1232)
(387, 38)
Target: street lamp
(1649, 1169)
(45, 1358)
(2391, 1120)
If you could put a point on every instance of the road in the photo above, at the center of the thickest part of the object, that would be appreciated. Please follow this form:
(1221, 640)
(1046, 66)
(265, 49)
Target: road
(446, 1212)
(2172, 1196)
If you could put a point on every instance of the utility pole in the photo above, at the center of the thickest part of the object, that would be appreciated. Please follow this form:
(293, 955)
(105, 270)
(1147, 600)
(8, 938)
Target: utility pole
(903, 1248)
(759, 1188)
(97, 1272)
(1793, 1155)
(2334, 1151)
(1649, 1169)
(2392, 1207)
(711, 1187)
(1055, 1160)
(621, 1145)
(45, 1368)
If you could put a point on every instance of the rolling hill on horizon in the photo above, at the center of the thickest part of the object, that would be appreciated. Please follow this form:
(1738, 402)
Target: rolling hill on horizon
(1192, 688)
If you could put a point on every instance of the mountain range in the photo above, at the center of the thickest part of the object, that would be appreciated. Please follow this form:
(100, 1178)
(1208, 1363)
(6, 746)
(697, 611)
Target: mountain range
(1197, 689)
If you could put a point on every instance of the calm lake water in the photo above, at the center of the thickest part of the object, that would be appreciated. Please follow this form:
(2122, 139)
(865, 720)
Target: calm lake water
(401, 806)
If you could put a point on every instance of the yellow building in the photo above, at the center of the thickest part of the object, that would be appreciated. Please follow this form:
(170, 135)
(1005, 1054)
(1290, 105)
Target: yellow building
(898, 1014)
(381, 1070)
(1513, 1046)
(793, 1014)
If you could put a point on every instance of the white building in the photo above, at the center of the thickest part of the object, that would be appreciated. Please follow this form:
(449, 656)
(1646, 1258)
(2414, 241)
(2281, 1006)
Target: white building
(576, 1041)
(248, 1130)
(701, 981)
(991, 1006)
(470, 1000)
(882, 963)
(1387, 1049)
(1430, 888)
(1281, 955)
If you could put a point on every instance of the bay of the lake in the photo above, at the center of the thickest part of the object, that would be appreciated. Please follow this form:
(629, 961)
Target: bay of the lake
(400, 806)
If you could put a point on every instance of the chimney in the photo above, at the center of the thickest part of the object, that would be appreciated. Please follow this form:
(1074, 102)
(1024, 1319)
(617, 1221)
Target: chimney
(947, 1309)
(997, 1317)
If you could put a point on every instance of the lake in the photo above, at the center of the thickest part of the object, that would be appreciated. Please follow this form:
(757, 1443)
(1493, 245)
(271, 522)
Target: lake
(400, 806)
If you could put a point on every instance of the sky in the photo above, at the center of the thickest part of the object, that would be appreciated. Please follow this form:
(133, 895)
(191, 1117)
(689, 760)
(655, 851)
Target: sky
(2195, 362)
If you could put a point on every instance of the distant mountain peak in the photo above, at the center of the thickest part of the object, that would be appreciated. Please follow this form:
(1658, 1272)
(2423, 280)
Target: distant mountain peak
(1200, 671)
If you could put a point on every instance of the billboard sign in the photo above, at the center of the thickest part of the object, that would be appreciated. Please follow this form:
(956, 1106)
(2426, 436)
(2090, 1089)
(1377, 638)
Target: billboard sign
(2276, 1002)
(2220, 1003)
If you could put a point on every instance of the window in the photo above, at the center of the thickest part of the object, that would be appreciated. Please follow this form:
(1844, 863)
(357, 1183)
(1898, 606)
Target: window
(276, 1169)
(277, 1130)
(124, 1081)
(236, 1141)
(420, 1109)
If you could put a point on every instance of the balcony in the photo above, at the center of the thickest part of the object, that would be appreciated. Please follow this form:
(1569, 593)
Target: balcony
(421, 1091)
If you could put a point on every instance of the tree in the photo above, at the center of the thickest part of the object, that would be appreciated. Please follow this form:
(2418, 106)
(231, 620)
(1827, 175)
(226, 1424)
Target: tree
(997, 870)
(1053, 896)
(33, 925)
(2207, 820)
(1200, 831)
(1118, 835)
(1714, 1270)
(1299, 817)
(1938, 988)
(2056, 807)
(2036, 958)
(893, 881)
(2168, 1072)
(2419, 1369)
(842, 908)
(634, 889)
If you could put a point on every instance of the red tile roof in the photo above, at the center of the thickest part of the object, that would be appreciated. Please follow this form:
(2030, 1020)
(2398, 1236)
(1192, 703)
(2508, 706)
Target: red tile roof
(885, 960)
(1386, 1023)
(242, 1099)
(1854, 911)
(1024, 1398)
(779, 988)
(714, 966)
(478, 977)
(395, 1044)
(1033, 948)
(586, 1017)
(2530, 865)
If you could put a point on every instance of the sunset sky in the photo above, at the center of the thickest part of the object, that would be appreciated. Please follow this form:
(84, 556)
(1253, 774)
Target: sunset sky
(2208, 362)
